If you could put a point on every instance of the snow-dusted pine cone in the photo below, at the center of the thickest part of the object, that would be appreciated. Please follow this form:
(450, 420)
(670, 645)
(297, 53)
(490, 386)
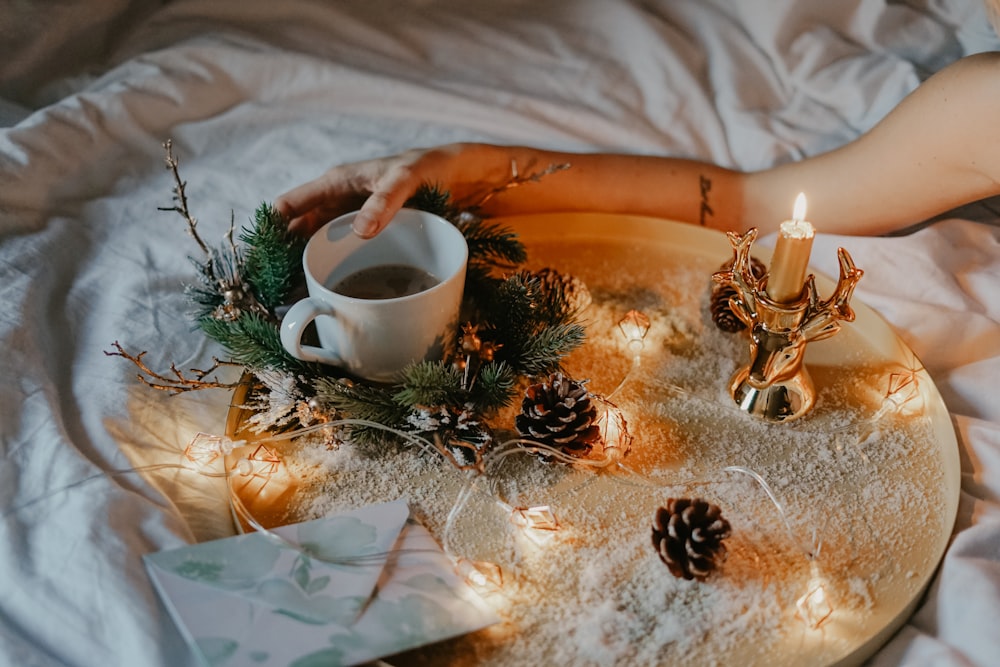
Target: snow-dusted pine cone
(571, 289)
(559, 412)
(722, 314)
(688, 534)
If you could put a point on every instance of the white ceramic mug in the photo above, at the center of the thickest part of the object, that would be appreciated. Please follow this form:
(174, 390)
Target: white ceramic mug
(376, 336)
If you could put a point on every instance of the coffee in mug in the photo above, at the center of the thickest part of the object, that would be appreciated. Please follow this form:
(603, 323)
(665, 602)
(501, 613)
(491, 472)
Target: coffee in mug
(385, 281)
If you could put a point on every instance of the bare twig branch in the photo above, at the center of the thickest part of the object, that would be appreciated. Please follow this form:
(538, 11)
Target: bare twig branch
(178, 383)
(181, 197)
(517, 180)
(230, 236)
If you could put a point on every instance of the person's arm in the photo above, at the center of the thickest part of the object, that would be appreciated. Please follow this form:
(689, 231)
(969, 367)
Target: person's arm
(665, 187)
(938, 149)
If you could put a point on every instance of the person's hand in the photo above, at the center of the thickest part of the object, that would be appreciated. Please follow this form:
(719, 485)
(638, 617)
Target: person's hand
(376, 188)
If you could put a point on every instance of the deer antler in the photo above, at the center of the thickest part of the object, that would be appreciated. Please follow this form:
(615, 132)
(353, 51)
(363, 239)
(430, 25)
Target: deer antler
(849, 277)
(823, 318)
(741, 276)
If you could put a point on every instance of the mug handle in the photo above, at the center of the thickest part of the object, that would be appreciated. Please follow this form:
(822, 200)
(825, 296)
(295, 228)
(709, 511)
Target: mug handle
(294, 323)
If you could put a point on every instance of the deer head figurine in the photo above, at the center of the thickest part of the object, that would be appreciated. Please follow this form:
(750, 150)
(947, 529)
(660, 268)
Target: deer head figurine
(775, 384)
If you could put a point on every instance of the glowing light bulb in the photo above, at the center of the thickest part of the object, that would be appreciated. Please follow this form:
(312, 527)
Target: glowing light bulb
(814, 607)
(204, 449)
(484, 577)
(537, 523)
(244, 467)
(262, 483)
(903, 388)
(634, 327)
(614, 432)
(540, 517)
(265, 461)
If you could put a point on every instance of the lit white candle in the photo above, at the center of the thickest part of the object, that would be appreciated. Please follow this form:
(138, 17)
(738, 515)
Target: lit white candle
(787, 275)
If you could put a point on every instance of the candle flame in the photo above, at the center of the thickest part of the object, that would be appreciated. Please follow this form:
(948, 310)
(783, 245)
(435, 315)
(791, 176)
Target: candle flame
(799, 210)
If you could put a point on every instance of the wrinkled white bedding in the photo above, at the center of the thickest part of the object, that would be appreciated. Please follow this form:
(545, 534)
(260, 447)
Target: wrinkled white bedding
(259, 96)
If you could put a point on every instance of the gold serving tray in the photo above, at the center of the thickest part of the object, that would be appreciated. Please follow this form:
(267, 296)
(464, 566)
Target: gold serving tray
(868, 483)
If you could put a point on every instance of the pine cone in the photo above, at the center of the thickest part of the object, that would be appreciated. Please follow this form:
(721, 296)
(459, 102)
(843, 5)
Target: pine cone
(688, 534)
(722, 314)
(559, 413)
(572, 289)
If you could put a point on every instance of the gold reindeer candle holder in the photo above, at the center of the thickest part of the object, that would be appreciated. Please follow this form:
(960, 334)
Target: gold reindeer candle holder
(775, 385)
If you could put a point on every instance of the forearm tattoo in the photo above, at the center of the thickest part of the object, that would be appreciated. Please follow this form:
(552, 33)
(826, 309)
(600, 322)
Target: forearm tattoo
(705, 183)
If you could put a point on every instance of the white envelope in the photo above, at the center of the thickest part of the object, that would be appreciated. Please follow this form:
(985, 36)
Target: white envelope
(365, 584)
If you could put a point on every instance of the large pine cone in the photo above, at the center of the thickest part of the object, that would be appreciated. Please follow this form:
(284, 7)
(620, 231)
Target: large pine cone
(722, 314)
(559, 413)
(688, 534)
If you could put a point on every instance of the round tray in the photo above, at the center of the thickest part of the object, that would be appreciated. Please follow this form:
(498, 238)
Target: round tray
(854, 503)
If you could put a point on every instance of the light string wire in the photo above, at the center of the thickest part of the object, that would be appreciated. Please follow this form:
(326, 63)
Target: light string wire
(811, 553)
(494, 458)
(106, 474)
(636, 363)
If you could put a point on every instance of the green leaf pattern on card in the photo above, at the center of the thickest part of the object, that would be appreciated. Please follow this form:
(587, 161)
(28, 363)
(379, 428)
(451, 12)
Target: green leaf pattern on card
(296, 603)
(340, 541)
(217, 650)
(328, 657)
(222, 564)
(247, 567)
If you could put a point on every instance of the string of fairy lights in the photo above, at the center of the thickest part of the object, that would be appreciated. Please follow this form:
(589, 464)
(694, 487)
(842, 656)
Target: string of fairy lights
(539, 523)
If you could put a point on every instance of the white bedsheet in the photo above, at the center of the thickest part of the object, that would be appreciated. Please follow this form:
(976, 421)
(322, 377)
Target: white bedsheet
(259, 96)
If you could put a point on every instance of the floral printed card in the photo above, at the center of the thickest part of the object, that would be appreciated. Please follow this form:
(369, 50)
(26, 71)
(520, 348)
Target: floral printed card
(360, 585)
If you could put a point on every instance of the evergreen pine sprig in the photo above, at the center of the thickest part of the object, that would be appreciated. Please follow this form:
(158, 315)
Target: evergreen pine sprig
(255, 342)
(480, 286)
(494, 389)
(431, 198)
(550, 301)
(544, 351)
(273, 256)
(361, 401)
(534, 331)
(431, 383)
(491, 244)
